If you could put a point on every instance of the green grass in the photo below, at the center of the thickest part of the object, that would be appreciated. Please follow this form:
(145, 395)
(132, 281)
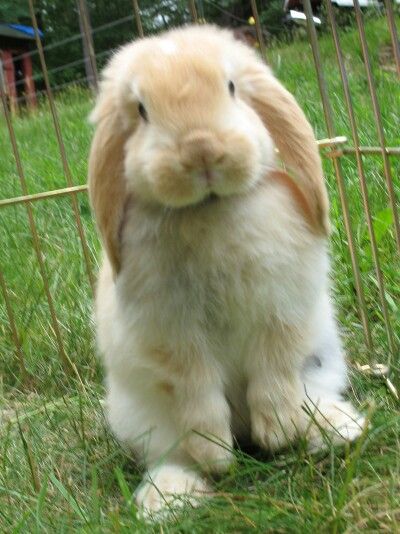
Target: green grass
(60, 469)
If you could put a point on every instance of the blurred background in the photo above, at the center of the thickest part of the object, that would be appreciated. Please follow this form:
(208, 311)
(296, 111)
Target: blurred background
(111, 24)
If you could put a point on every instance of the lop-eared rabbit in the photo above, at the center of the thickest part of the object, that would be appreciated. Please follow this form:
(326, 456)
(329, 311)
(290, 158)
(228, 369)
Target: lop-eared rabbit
(213, 310)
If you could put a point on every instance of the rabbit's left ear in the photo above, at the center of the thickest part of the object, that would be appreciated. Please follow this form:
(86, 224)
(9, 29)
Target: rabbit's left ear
(291, 133)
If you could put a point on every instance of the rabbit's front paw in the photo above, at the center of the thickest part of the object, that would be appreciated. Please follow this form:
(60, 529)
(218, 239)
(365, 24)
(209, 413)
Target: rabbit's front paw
(212, 453)
(334, 423)
(273, 431)
(166, 489)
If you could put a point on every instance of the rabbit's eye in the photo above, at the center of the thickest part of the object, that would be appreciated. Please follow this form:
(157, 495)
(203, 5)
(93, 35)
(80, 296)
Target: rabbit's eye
(143, 112)
(231, 87)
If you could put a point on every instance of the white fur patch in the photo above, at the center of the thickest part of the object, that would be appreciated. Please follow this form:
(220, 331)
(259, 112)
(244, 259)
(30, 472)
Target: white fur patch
(228, 68)
(168, 47)
(135, 89)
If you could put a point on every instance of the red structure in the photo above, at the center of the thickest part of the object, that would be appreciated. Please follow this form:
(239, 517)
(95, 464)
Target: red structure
(16, 72)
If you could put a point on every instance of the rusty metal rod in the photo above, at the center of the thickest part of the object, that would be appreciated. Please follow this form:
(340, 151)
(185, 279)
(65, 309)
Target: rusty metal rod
(372, 150)
(40, 196)
(393, 34)
(364, 150)
(363, 182)
(35, 236)
(339, 175)
(260, 37)
(378, 121)
(138, 18)
(193, 10)
(60, 141)
(87, 34)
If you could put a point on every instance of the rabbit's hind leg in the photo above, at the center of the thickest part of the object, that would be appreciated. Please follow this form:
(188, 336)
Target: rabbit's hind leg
(332, 418)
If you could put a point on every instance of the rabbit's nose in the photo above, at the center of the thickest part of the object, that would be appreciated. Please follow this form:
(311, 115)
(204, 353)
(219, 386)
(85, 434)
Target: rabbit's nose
(201, 150)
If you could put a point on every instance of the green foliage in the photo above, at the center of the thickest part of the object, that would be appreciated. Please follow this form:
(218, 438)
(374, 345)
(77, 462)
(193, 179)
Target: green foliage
(272, 15)
(12, 11)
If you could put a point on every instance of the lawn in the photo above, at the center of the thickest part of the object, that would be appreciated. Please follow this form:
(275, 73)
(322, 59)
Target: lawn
(60, 469)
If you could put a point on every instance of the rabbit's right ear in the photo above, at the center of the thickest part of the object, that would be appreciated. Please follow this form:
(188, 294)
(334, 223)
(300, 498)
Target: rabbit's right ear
(106, 178)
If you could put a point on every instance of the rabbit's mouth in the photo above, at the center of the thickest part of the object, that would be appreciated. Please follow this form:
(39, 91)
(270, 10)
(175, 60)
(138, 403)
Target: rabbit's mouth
(210, 198)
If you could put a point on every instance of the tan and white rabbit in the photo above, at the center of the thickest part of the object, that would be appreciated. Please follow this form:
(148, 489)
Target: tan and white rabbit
(213, 310)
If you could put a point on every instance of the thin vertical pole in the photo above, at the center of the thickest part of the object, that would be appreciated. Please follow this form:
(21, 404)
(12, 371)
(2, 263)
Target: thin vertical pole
(393, 34)
(193, 10)
(378, 121)
(88, 46)
(363, 182)
(35, 237)
(258, 29)
(339, 174)
(138, 18)
(61, 147)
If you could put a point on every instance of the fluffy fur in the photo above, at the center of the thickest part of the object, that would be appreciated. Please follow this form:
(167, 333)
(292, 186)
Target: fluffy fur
(213, 312)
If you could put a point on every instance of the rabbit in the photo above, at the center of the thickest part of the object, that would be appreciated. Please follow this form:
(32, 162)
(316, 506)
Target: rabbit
(213, 311)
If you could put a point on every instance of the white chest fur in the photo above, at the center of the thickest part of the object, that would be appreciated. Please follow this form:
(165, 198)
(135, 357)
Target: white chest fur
(220, 269)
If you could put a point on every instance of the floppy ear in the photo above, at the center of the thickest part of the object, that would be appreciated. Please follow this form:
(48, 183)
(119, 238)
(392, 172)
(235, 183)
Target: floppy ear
(291, 133)
(298, 196)
(106, 180)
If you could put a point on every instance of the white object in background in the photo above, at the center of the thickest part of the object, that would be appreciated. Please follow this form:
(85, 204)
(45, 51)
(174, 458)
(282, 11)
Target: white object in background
(299, 16)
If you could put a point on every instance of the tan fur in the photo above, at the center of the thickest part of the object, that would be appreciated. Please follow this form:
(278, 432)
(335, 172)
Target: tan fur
(301, 200)
(168, 364)
(167, 388)
(186, 92)
(292, 135)
(106, 183)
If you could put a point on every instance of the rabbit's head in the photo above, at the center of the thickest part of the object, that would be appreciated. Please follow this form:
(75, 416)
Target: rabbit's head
(191, 116)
